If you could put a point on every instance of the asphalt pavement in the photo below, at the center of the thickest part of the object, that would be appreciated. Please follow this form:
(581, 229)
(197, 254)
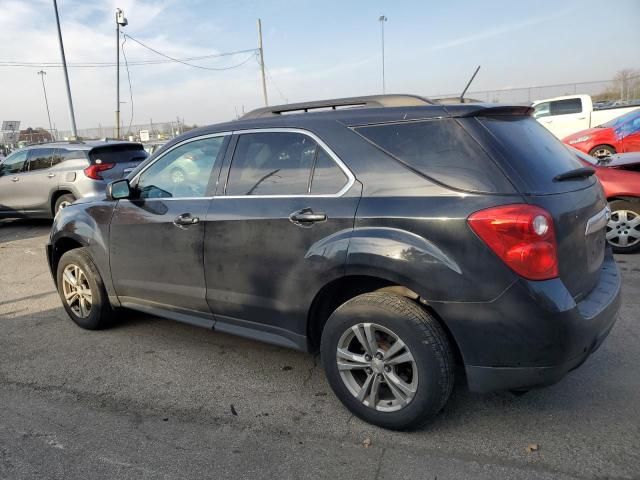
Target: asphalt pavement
(151, 398)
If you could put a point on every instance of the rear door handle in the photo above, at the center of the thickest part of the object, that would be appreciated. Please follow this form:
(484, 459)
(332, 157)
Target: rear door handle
(185, 220)
(306, 217)
(51, 175)
(15, 179)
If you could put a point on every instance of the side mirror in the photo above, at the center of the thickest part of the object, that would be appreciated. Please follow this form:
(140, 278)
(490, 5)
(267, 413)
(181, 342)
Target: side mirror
(118, 190)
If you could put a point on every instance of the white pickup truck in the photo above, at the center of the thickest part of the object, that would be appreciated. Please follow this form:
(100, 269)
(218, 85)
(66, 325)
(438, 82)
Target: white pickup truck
(564, 116)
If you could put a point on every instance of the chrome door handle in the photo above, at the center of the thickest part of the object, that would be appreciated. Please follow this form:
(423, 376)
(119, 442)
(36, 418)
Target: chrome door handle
(306, 217)
(51, 175)
(15, 179)
(185, 220)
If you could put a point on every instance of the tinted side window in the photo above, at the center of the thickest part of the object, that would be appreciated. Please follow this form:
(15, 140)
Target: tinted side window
(14, 163)
(63, 154)
(184, 171)
(276, 163)
(40, 158)
(565, 107)
(441, 150)
(328, 178)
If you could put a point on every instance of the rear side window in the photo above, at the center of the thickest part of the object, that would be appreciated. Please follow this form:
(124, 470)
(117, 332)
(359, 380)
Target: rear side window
(118, 154)
(283, 163)
(63, 155)
(327, 177)
(40, 158)
(533, 154)
(442, 151)
(565, 107)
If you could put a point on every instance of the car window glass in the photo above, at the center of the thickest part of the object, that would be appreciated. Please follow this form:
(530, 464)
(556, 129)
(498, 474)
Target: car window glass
(182, 172)
(275, 163)
(327, 178)
(441, 150)
(40, 158)
(541, 110)
(13, 163)
(565, 107)
(63, 154)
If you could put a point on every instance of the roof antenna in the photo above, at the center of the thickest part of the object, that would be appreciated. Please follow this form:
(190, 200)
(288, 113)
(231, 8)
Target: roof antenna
(468, 84)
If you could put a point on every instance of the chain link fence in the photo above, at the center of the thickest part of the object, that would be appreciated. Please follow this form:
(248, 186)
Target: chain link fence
(624, 90)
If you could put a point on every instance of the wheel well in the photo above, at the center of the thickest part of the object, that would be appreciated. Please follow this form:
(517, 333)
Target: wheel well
(54, 198)
(604, 145)
(624, 199)
(61, 247)
(339, 291)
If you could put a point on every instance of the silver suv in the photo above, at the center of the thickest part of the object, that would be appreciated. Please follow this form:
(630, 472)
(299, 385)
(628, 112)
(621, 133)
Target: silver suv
(39, 180)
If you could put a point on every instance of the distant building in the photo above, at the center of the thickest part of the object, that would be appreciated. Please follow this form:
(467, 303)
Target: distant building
(35, 135)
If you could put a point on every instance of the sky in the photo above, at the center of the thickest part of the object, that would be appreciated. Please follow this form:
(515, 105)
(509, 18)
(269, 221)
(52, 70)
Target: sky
(313, 50)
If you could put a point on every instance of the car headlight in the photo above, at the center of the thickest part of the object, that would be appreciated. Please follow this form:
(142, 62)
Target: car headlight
(584, 138)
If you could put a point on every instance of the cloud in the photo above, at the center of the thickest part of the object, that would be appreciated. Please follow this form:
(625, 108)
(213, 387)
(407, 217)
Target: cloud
(497, 31)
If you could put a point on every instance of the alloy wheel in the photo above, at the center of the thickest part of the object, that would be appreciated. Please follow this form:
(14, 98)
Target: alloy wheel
(377, 367)
(623, 229)
(601, 153)
(76, 290)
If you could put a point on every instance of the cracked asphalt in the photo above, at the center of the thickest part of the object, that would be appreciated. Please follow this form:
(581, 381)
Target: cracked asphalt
(151, 398)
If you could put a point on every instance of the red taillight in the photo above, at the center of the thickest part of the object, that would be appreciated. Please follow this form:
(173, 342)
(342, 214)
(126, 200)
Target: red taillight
(522, 236)
(93, 171)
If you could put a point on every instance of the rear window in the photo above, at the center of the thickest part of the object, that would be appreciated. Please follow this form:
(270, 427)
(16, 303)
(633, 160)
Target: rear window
(442, 151)
(533, 155)
(118, 154)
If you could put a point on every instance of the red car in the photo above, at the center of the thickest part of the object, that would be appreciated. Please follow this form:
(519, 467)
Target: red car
(620, 178)
(619, 135)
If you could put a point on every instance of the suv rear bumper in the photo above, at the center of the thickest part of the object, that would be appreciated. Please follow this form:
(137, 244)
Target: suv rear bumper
(534, 333)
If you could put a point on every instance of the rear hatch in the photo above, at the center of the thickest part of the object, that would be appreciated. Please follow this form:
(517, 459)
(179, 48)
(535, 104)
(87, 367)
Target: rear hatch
(122, 158)
(535, 161)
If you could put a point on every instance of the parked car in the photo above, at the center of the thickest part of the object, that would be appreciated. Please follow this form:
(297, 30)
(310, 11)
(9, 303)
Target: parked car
(620, 178)
(153, 147)
(38, 180)
(395, 236)
(566, 115)
(617, 136)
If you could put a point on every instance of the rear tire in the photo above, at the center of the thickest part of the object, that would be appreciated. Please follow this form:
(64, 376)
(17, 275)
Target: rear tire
(62, 202)
(425, 373)
(602, 152)
(82, 291)
(623, 229)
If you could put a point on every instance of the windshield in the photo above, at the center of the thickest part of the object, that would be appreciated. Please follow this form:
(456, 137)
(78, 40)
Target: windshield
(627, 117)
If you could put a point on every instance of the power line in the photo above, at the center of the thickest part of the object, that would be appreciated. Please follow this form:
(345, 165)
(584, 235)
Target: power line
(15, 63)
(190, 64)
(124, 55)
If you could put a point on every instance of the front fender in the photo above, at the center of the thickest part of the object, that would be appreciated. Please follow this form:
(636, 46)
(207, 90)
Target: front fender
(86, 225)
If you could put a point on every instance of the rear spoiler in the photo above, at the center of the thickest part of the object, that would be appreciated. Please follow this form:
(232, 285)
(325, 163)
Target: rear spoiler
(486, 110)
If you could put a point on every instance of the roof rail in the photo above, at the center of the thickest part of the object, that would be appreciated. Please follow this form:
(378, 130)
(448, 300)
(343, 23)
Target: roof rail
(371, 101)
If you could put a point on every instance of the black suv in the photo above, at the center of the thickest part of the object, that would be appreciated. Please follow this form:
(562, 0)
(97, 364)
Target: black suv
(396, 236)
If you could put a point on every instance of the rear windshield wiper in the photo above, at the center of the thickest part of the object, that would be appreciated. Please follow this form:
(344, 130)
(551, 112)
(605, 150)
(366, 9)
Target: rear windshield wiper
(582, 172)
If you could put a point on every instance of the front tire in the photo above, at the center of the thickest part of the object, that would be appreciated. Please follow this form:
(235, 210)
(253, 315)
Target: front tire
(388, 360)
(82, 291)
(623, 229)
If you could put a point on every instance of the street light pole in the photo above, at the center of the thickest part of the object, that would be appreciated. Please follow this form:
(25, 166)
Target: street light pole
(120, 21)
(74, 131)
(382, 19)
(42, 73)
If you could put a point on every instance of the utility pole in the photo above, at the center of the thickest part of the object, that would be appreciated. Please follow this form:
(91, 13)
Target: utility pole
(42, 73)
(120, 21)
(382, 19)
(261, 50)
(74, 131)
